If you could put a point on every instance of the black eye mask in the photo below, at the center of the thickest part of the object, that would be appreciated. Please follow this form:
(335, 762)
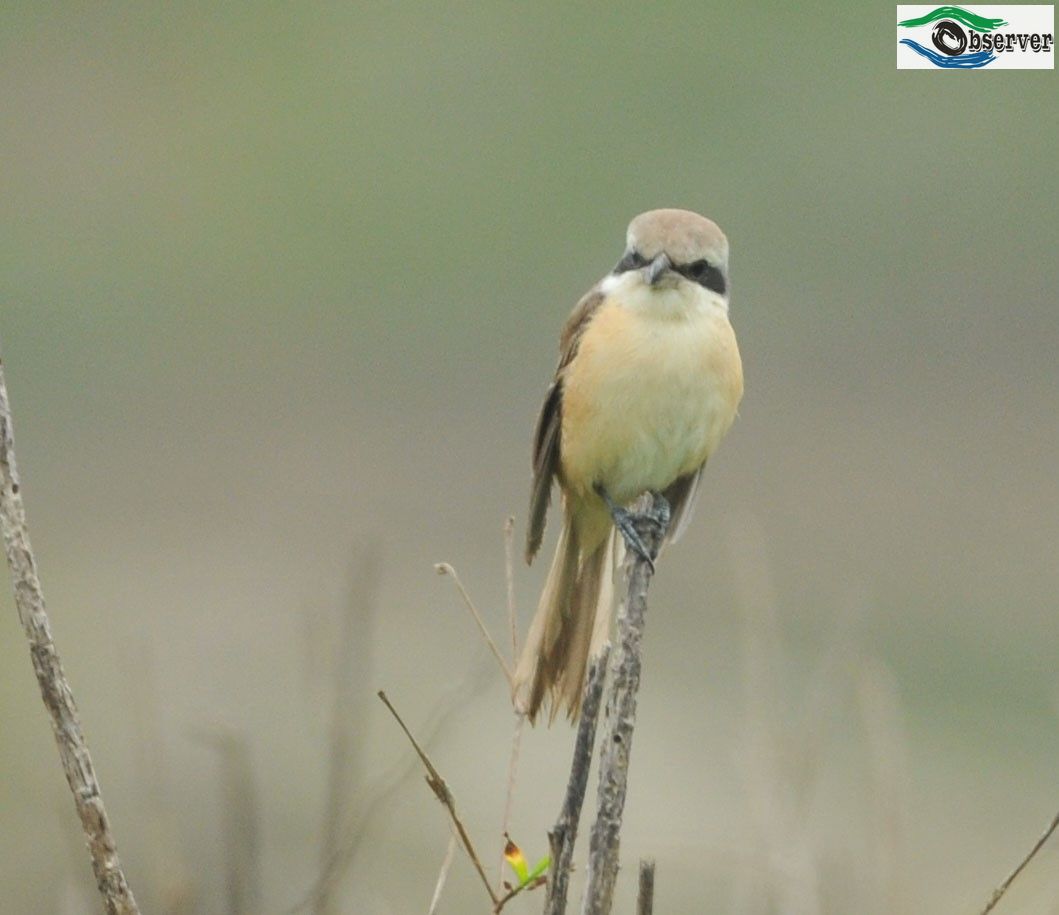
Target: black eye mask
(701, 271)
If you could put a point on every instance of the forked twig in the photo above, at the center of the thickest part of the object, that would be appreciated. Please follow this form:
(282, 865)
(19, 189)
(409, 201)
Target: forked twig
(54, 687)
(513, 892)
(999, 892)
(441, 791)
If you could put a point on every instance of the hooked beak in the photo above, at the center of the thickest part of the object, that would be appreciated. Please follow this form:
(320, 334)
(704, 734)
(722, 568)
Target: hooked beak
(656, 269)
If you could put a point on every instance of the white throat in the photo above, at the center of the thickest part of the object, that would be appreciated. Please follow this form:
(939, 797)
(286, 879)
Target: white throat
(682, 299)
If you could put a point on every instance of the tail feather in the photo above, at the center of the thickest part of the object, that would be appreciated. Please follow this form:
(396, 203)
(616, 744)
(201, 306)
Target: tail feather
(570, 626)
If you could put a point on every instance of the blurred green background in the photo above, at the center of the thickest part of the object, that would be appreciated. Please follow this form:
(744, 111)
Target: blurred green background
(280, 286)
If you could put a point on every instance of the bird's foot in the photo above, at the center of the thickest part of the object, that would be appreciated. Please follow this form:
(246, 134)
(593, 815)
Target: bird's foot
(634, 526)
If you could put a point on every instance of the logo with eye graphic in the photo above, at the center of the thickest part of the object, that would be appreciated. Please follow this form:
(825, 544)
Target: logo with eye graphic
(956, 38)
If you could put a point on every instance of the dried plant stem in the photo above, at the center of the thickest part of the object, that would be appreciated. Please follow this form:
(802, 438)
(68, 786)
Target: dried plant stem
(520, 719)
(564, 833)
(441, 790)
(999, 892)
(645, 899)
(620, 717)
(443, 875)
(443, 568)
(512, 772)
(512, 893)
(54, 688)
(509, 580)
(361, 820)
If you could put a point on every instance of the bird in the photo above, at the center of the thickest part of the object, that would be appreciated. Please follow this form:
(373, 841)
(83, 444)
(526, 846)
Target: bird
(648, 383)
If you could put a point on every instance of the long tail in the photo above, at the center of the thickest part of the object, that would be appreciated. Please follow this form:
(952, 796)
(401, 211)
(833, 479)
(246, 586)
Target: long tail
(570, 626)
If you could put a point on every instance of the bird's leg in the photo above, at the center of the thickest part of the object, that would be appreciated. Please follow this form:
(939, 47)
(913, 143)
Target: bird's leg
(625, 521)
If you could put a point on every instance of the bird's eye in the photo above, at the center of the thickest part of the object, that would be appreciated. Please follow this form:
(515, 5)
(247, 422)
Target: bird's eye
(706, 275)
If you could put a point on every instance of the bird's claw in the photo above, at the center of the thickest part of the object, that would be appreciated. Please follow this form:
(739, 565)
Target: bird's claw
(626, 521)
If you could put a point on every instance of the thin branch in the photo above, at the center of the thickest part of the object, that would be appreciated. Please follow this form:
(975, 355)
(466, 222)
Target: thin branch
(512, 772)
(520, 719)
(443, 875)
(620, 718)
(645, 899)
(999, 892)
(362, 819)
(564, 833)
(515, 891)
(441, 790)
(443, 568)
(509, 579)
(54, 688)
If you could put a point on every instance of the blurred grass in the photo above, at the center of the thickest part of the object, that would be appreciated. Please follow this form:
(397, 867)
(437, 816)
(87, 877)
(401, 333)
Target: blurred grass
(279, 280)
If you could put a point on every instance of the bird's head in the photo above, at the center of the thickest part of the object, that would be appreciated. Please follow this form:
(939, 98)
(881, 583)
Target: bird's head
(671, 247)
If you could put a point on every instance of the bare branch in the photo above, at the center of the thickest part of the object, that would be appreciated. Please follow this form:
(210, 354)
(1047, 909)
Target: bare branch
(381, 792)
(441, 790)
(620, 718)
(443, 568)
(54, 688)
(645, 900)
(512, 772)
(520, 719)
(999, 892)
(564, 833)
(509, 578)
(516, 891)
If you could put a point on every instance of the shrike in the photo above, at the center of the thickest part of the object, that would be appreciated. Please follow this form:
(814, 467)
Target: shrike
(648, 383)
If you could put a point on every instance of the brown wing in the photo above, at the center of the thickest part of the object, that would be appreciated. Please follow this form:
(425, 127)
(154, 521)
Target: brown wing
(546, 437)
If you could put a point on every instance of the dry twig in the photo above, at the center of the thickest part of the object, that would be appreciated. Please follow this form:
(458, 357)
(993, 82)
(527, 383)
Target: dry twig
(443, 875)
(509, 579)
(564, 833)
(520, 719)
(515, 891)
(443, 568)
(620, 718)
(441, 791)
(54, 688)
(362, 819)
(999, 892)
